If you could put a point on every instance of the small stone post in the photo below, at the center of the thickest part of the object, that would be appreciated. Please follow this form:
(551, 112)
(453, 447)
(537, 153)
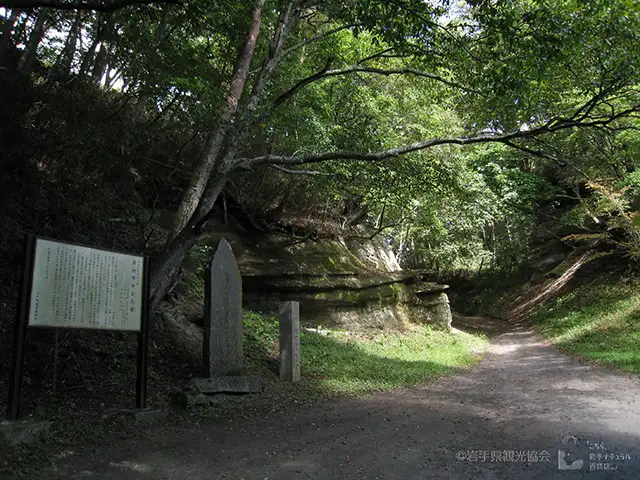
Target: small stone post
(290, 342)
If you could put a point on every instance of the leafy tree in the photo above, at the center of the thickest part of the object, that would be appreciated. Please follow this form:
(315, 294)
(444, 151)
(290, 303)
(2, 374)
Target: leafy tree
(358, 85)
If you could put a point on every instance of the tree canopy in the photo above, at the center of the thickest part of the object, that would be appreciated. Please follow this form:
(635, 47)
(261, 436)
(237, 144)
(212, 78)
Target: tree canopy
(458, 124)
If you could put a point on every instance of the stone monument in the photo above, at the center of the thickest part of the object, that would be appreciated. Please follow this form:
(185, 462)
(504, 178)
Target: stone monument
(290, 342)
(223, 335)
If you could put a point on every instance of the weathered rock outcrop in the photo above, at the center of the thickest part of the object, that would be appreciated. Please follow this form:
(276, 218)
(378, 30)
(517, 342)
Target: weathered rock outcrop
(353, 283)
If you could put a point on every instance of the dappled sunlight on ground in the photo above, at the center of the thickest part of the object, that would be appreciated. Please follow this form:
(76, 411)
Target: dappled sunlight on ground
(599, 321)
(512, 347)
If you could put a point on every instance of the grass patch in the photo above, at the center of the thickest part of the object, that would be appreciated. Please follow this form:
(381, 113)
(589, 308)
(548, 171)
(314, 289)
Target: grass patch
(599, 321)
(339, 363)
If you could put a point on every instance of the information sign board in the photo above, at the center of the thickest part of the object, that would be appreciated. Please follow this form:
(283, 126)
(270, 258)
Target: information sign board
(80, 287)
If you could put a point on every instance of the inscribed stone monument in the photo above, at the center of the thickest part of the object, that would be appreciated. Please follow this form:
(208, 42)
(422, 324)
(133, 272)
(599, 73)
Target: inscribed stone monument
(290, 342)
(223, 337)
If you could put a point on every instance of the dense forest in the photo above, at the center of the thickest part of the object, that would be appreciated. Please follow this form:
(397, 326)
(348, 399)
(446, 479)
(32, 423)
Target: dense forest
(463, 132)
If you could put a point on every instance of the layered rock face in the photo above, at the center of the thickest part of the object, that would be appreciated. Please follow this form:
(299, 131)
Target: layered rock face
(347, 283)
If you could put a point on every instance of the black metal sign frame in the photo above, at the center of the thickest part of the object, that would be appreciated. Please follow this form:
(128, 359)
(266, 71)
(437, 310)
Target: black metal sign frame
(22, 322)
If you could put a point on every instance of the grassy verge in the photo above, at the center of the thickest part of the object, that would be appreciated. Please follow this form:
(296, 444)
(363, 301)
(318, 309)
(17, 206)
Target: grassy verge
(599, 321)
(339, 363)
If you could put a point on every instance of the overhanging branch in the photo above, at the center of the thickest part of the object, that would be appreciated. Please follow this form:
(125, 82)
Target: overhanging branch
(549, 127)
(304, 172)
(397, 71)
(538, 153)
(434, 25)
(375, 55)
(302, 83)
(379, 230)
(326, 73)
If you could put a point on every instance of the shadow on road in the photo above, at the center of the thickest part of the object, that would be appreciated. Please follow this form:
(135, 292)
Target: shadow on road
(506, 418)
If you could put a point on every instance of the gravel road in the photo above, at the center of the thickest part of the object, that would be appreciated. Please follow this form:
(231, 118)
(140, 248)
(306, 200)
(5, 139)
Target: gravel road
(507, 418)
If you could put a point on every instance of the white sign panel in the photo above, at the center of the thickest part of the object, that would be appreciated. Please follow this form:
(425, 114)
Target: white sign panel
(84, 287)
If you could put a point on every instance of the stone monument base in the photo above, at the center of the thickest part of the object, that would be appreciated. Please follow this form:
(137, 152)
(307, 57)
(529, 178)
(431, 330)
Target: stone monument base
(226, 384)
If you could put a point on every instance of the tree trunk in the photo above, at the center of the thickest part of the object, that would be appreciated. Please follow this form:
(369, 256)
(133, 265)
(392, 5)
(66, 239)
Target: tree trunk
(152, 59)
(100, 63)
(31, 50)
(69, 50)
(7, 28)
(101, 58)
(139, 106)
(201, 176)
(88, 57)
(404, 234)
(113, 79)
(166, 268)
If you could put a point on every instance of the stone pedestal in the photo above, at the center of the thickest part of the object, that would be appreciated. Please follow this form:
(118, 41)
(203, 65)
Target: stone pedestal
(228, 384)
(290, 342)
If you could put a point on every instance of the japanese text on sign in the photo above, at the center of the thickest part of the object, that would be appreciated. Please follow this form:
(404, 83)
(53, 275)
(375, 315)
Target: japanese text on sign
(82, 287)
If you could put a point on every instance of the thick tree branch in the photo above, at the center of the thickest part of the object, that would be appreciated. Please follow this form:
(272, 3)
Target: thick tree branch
(538, 153)
(397, 71)
(375, 55)
(379, 230)
(287, 18)
(535, 153)
(550, 127)
(195, 194)
(301, 84)
(95, 5)
(433, 24)
(304, 172)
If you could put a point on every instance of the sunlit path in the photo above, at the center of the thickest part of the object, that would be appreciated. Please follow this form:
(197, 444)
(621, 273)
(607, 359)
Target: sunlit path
(506, 418)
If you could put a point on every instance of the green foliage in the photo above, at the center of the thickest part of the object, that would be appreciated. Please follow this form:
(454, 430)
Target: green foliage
(631, 182)
(486, 67)
(599, 321)
(573, 49)
(69, 172)
(490, 290)
(261, 333)
(337, 362)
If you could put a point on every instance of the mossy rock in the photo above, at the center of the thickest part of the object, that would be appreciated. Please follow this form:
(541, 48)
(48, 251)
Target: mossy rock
(273, 254)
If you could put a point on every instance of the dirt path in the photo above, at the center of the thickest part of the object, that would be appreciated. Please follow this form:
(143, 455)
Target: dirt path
(521, 401)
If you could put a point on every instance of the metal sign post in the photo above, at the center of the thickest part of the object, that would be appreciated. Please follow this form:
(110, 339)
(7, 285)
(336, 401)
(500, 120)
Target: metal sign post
(20, 329)
(143, 338)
